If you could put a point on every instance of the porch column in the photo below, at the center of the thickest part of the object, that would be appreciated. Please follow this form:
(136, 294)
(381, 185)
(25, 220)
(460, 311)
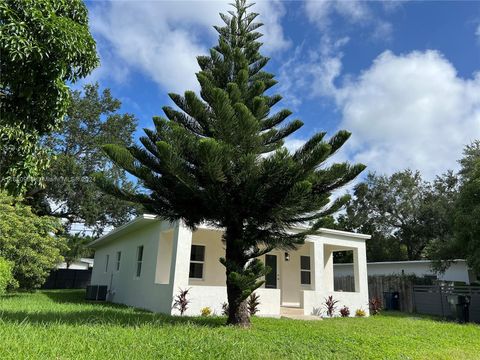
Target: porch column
(360, 268)
(317, 257)
(328, 268)
(180, 266)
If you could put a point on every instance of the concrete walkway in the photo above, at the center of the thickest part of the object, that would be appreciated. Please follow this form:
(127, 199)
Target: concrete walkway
(296, 313)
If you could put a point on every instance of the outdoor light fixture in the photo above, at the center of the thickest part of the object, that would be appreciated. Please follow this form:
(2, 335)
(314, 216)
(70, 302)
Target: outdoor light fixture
(287, 256)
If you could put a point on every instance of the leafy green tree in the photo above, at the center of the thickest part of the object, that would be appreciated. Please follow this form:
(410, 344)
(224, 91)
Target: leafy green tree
(440, 215)
(467, 213)
(6, 276)
(43, 45)
(392, 209)
(92, 120)
(28, 241)
(77, 247)
(219, 158)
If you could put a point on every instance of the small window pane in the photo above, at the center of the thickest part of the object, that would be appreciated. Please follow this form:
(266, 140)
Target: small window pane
(197, 253)
(140, 253)
(305, 277)
(305, 262)
(139, 269)
(119, 256)
(196, 271)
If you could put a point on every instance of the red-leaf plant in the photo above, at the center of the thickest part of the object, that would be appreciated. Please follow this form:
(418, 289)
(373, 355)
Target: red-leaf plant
(181, 301)
(345, 311)
(330, 305)
(375, 305)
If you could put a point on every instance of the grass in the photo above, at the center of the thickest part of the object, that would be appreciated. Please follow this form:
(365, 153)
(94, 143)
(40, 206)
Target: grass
(61, 325)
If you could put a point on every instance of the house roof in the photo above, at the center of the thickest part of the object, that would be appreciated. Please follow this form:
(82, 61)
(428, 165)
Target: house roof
(143, 219)
(134, 224)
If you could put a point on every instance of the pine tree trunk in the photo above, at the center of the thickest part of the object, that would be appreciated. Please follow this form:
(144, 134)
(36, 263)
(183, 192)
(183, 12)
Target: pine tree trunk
(238, 314)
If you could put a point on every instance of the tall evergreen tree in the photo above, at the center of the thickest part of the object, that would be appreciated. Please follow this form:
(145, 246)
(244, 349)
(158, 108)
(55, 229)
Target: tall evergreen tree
(220, 159)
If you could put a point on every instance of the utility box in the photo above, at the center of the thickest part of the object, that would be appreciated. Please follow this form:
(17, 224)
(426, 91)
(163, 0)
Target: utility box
(459, 307)
(96, 292)
(391, 300)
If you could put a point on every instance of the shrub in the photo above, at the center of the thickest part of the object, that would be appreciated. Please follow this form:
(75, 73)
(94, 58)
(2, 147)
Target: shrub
(345, 311)
(252, 303)
(375, 305)
(29, 242)
(206, 311)
(225, 309)
(6, 276)
(330, 305)
(360, 313)
(181, 301)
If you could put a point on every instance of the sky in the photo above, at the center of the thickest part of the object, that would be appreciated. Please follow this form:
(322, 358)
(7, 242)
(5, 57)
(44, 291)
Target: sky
(403, 77)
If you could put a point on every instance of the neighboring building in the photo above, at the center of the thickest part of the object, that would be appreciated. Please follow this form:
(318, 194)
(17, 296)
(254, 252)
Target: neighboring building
(80, 264)
(145, 262)
(458, 271)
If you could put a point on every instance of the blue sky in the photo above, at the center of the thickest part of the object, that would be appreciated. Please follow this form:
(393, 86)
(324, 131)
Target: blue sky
(404, 77)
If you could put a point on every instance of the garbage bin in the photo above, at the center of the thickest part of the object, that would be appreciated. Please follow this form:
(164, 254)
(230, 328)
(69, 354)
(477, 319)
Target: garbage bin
(391, 300)
(459, 307)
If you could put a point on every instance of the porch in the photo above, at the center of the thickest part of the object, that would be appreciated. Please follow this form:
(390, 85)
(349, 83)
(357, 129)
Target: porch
(299, 279)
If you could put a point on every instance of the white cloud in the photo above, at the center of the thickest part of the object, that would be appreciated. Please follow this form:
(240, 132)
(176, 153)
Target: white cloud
(293, 144)
(320, 12)
(314, 72)
(162, 38)
(410, 111)
(477, 32)
(404, 111)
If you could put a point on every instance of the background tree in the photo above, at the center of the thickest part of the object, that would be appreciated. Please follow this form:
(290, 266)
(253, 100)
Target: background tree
(462, 210)
(440, 215)
(207, 162)
(395, 210)
(28, 241)
(76, 248)
(92, 119)
(467, 214)
(44, 44)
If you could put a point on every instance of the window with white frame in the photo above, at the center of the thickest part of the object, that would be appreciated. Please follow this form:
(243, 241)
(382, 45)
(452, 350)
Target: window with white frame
(305, 270)
(119, 256)
(107, 258)
(138, 271)
(197, 261)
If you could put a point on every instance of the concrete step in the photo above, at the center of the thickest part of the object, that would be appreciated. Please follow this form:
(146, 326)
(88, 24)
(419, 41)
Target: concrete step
(285, 311)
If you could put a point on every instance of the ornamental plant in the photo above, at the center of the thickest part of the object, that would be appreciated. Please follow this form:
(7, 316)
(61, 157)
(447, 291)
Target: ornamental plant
(330, 305)
(345, 311)
(181, 302)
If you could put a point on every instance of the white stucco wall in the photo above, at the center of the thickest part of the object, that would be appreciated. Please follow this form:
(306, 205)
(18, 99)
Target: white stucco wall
(213, 270)
(125, 288)
(214, 296)
(166, 263)
(323, 248)
(458, 271)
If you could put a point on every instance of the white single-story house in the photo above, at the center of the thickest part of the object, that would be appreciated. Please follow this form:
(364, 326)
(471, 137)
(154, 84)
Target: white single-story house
(458, 270)
(145, 262)
(80, 264)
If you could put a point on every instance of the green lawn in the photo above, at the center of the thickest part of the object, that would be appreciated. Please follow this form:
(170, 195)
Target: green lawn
(61, 325)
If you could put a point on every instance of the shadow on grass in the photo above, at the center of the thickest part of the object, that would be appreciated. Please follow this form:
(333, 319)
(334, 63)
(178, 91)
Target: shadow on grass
(99, 313)
(105, 317)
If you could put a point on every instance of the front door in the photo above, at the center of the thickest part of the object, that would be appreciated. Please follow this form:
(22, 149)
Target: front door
(271, 277)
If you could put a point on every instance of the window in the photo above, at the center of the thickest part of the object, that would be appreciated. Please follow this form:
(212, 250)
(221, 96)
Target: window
(305, 271)
(139, 260)
(197, 260)
(107, 257)
(119, 256)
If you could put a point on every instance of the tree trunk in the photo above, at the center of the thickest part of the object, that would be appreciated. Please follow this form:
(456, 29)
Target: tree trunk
(238, 314)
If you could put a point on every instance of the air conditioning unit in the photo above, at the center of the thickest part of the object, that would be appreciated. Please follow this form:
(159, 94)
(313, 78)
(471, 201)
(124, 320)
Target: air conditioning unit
(96, 292)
